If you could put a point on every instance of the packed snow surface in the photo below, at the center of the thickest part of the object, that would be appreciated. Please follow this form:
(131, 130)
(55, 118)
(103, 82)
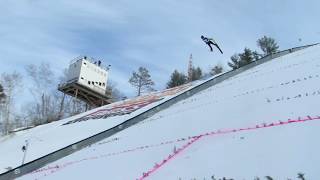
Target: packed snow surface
(262, 122)
(48, 138)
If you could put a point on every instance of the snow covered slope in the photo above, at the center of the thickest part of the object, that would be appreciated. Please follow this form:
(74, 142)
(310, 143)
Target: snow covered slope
(48, 138)
(262, 122)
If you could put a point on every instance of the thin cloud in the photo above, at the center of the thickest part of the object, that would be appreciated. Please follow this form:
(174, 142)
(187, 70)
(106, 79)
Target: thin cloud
(157, 34)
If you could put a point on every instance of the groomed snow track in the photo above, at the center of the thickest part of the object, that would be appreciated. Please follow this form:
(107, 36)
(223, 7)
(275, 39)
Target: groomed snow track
(42, 161)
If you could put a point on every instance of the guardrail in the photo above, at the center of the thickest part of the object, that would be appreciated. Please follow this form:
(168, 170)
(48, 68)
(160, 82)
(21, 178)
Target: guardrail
(90, 59)
(42, 161)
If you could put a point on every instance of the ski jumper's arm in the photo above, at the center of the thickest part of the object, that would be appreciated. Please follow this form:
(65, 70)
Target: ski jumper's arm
(212, 40)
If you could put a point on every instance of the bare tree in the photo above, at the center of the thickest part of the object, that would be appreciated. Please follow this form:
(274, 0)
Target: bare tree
(62, 80)
(42, 77)
(12, 83)
(45, 104)
(115, 93)
(68, 106)
(141, 80)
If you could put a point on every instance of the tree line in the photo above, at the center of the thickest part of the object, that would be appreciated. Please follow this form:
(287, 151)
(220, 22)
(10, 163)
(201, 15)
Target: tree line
(142, 81)
(45, 104)
(266, 44)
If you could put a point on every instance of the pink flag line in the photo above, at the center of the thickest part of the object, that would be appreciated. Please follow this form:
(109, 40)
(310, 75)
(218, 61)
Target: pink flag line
(52, 169)
(179, 150)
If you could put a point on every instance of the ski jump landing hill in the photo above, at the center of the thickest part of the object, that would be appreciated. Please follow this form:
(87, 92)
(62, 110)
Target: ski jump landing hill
(261, 119)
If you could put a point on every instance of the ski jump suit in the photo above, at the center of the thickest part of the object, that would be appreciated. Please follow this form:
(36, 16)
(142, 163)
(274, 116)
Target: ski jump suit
(210, 41)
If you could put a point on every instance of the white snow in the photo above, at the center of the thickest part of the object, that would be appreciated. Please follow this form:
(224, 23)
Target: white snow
(47, 138)
(284, 88)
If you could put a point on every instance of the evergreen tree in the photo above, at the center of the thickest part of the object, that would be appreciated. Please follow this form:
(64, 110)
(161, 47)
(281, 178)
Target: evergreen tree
(256, 55)
(2, 95)
(246, 57)
(269, 178)
(2, 101)
(235, 61)
(196, 74)
(301, 176)
(176, 79)
(242, 59)
(268, 45)
(141, 80)
(217, 69)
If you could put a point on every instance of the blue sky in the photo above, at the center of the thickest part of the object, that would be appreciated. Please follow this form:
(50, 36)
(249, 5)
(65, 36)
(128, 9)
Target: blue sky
(159, 35)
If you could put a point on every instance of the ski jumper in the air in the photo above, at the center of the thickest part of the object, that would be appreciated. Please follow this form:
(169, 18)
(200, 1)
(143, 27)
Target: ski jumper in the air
(210, 41)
